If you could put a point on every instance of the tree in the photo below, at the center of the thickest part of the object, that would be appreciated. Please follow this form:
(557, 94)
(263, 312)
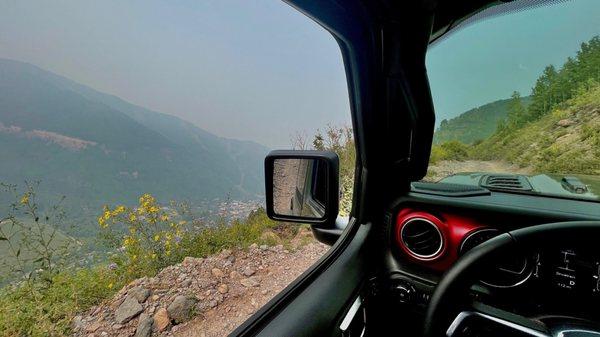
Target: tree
(516, 110)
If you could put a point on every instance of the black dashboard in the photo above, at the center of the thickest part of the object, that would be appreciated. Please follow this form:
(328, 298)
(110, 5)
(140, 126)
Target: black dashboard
(430, 231)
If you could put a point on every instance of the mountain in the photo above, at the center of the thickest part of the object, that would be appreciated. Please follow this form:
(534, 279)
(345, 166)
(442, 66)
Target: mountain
(475, 124)
(97, 149)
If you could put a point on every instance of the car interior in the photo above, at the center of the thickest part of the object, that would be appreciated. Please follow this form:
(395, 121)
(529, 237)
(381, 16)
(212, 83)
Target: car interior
(419, 258)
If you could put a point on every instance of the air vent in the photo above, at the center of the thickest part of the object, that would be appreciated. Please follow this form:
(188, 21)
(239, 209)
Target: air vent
(422, 238)
(506, 182)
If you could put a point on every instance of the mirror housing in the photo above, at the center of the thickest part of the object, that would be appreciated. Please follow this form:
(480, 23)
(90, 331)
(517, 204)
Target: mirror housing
(302, 186)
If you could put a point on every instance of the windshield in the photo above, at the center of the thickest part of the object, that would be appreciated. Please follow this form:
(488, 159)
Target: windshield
(517, 100)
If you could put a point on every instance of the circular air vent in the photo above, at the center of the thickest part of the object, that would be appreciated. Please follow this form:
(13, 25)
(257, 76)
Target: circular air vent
(476, 238)
(422, 238)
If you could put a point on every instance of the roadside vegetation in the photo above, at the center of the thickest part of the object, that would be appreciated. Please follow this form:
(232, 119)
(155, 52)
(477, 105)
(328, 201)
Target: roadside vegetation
(48, 287)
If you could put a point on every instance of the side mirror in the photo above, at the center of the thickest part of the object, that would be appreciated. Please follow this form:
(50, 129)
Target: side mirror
(302, 186)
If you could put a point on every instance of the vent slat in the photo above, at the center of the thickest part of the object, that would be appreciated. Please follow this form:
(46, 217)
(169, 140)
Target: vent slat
(421, 237)
(506, 182)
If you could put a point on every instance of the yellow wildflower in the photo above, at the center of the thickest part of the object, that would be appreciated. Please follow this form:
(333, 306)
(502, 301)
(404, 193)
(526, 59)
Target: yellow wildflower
(156, 237)
(164, 217)
(25, 198)
(132, 217)
(110, 285)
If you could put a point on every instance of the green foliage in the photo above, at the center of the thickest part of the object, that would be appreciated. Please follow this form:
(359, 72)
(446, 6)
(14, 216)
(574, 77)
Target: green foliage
(32, 248)
(556, 86)
(30, 309)
(549, 147)
(451, 150)
(341, 141)
(476, 124)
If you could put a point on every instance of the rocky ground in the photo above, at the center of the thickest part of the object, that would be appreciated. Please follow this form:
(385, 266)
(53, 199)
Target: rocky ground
(445, 168)
(205, 297)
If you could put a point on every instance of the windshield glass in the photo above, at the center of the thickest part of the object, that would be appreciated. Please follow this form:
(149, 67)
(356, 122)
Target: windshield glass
(517, 100)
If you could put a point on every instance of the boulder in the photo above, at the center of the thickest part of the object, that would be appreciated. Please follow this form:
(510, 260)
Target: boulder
(161, 319)
(140, 294)
(128, 310)
(182, 308)
(144, 328)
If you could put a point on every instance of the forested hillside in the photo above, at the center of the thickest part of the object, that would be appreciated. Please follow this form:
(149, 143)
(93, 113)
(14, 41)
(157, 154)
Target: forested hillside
(476, 124)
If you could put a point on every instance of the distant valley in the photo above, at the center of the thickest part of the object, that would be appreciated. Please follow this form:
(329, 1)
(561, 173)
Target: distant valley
(97, 149)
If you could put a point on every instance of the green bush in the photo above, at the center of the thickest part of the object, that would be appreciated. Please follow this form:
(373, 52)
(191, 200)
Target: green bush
(36, 309)
(450, 150)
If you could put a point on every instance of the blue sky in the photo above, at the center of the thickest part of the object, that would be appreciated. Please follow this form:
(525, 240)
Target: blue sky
(259, 70)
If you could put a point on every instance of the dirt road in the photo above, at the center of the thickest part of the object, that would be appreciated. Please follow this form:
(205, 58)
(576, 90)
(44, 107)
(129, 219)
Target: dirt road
(445, 168)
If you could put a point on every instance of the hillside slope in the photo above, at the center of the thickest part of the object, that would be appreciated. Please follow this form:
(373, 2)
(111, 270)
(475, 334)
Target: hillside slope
(475, 124)
(567, 140)
(96, 148)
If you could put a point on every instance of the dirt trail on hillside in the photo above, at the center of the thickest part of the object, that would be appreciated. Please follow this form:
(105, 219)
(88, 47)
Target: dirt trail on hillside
(275, 272)
(220, 292)
(445, 168)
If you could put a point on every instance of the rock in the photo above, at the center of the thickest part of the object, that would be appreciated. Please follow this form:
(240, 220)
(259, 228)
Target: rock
(192, 261)
(140, 294)
(223, 288)
(128, 310)
(234, 274)
(248, 272)
(565, 123)
(225, 253)
(155, 298)
(77, 322)
(144, 328)
(186, 283)
(93, 327)
(250, 282)
(117, 326)
(217, 272)
(264, 247)
(161, 319)
(182, 308)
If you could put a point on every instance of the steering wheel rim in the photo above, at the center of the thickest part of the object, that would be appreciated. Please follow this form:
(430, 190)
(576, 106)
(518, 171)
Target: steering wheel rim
(452, 291)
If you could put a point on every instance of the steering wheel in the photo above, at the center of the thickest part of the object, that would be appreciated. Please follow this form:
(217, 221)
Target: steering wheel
(452, 314)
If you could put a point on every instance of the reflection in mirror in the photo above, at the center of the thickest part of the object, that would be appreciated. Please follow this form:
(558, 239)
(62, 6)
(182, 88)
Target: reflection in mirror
(300, 187)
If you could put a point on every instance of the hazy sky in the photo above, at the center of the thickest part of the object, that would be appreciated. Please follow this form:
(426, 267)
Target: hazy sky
(246, 69)
(257, 69)
(490, 59)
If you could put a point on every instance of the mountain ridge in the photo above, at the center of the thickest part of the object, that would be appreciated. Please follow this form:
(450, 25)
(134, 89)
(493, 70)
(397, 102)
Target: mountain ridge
(97, 148)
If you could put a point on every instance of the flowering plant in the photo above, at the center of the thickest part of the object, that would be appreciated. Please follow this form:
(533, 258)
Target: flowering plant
(147, 237)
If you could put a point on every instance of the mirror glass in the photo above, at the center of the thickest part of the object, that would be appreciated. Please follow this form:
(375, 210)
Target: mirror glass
(300, 187)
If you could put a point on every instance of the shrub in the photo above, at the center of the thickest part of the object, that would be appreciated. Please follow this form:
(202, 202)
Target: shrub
(450, 150)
